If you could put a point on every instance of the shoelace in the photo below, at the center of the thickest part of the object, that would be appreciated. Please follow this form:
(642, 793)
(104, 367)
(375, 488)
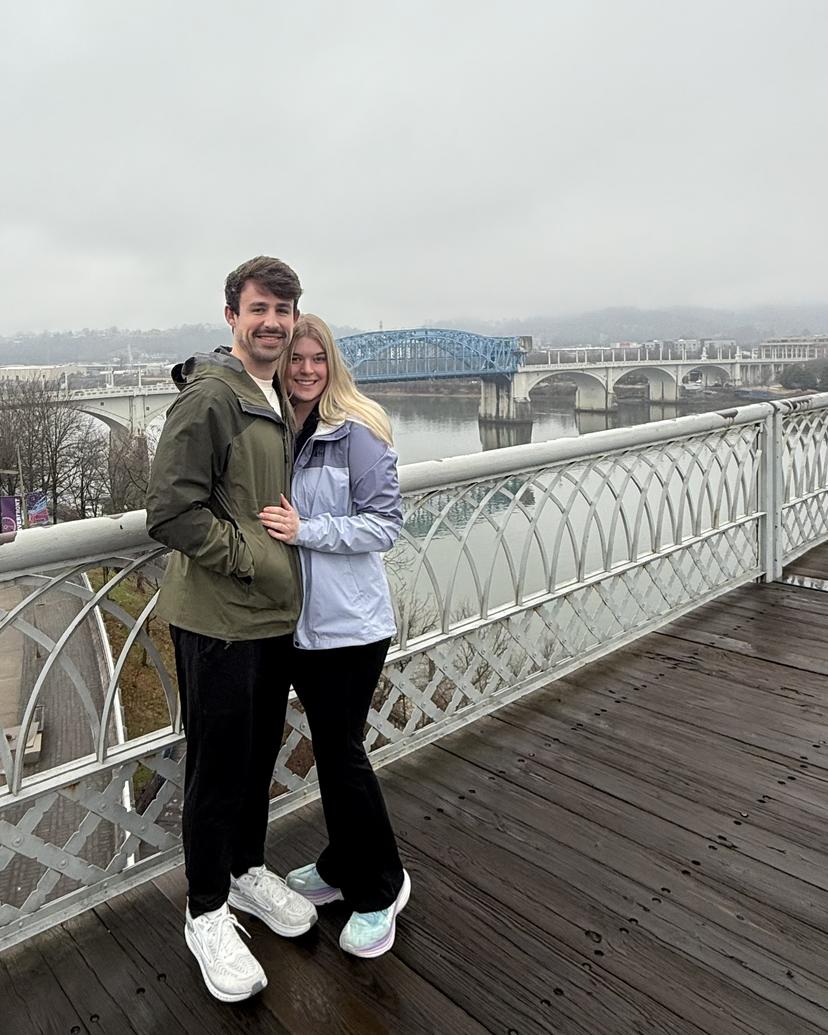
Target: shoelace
(265, 877)
(221, 927)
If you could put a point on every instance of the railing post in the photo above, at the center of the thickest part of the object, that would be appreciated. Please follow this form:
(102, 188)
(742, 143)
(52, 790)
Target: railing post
(772, 490)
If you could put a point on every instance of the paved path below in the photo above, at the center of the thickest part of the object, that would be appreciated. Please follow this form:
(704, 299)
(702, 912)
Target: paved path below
(11, 661)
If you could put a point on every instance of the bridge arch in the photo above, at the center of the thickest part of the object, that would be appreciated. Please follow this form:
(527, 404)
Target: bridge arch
(122, 410)
(428, 352)
(115, 423)
(710, 372)
(591, 389)
(662, 383)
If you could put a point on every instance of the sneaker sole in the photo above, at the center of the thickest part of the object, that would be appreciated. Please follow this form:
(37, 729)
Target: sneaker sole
(371, 951)
(224, 997)
(235, 901)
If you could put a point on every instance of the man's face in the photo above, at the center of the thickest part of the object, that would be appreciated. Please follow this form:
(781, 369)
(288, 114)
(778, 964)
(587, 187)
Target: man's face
(261, 329)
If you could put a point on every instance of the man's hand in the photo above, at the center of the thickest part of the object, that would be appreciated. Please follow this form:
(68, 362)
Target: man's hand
(281, 522)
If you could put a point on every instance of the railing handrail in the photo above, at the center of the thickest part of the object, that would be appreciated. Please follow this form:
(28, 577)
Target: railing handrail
(48, 547)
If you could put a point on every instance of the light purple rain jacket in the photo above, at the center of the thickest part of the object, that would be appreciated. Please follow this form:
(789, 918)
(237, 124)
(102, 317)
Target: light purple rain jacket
(347, 493)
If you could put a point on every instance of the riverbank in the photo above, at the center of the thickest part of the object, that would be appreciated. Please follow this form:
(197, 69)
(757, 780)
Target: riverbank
(626, 395)
(459, 386)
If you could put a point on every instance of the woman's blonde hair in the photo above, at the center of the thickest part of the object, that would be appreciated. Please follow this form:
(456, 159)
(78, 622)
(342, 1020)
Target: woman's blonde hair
(341, 400)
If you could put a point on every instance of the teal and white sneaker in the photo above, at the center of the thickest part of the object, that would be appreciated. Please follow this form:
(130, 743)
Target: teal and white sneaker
(372, 934)
(307, 882)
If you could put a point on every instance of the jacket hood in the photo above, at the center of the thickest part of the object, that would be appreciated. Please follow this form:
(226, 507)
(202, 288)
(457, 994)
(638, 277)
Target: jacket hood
(223, 366)
(217, 363)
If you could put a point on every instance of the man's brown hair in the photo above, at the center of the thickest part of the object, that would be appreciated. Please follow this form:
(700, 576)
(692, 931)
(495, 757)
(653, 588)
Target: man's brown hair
(271, 274)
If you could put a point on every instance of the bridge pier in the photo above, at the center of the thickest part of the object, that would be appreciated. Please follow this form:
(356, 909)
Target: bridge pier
(499, 402)
(664, 391)
(594, 395)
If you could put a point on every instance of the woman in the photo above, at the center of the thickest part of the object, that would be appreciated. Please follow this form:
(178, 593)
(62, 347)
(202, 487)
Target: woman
(346, 511)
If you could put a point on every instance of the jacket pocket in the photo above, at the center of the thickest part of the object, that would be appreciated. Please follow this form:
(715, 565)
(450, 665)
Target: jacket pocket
(273, 583)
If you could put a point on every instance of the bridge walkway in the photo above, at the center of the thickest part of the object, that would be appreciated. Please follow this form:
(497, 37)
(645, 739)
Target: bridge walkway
(639, 847)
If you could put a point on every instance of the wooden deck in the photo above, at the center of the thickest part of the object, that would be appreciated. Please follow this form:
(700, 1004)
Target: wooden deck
(642, 847)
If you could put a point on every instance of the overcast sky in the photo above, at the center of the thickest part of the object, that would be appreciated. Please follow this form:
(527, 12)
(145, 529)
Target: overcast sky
(413, 161)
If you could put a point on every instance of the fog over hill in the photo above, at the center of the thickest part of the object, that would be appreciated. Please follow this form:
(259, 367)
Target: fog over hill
(600, 326)
(116, 344)
(747, 326)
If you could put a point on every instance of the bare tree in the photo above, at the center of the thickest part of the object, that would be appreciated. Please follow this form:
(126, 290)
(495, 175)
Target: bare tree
(129, 464)
(86, 490)
(40, 436)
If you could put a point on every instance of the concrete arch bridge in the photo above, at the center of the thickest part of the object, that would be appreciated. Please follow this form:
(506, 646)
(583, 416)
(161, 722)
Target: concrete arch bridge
(595, 382)
(501, 363)
(125, 410)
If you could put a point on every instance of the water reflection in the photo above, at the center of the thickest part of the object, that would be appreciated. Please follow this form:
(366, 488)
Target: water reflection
(495, 435)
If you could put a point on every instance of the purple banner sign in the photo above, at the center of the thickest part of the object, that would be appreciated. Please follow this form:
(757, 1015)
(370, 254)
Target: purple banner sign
(36, 508)
(11, 514)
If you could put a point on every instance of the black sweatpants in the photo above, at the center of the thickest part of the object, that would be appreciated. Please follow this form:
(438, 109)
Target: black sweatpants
(335, 687)
(233, 700)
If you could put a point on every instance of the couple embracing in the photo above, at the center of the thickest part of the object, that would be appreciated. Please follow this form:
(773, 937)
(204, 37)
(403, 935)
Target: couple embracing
(275, 485)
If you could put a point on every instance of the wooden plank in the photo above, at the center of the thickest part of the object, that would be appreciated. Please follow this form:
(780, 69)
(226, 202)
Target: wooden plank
(735, 793)
(46, 1009)
(630, 805)
(315, 987)
(131, 982)
(438, 943)
(745, 774)
(83, 987)
(784, 641)
(151, 934)
(740, 962)
(566, 911)
(566, 783)
(503, 965)
(591, 848)
(700, 702)
(789, 694)
(814, 563)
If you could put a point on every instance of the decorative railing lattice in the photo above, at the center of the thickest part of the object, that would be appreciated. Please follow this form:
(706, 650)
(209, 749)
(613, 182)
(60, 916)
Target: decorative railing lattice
(513, 568)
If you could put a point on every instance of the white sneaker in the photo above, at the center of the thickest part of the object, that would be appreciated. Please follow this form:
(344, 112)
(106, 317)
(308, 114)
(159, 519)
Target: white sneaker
(230, 970)
(265, 895)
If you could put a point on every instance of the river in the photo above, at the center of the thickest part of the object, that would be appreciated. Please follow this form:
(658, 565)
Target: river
(431, 427)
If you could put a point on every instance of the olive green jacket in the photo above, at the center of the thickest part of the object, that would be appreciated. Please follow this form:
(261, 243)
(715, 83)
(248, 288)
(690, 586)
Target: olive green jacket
(223, 455)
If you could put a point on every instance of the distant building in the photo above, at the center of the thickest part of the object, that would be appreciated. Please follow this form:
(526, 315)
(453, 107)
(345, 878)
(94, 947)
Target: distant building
(813, 346)
(718, 343)
(51, 372)
(811, 339)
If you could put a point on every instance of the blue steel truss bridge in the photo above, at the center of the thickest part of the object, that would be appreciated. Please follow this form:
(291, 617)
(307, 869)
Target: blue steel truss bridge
(430, 352)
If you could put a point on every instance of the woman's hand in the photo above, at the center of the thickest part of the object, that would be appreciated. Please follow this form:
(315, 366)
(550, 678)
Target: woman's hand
(281, 522)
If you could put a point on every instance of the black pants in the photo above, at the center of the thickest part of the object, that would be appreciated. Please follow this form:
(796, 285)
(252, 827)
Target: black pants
(233, 699)
(335, 687)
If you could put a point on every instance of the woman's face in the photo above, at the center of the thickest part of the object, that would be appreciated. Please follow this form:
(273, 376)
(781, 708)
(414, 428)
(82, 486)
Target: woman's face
(308, 371)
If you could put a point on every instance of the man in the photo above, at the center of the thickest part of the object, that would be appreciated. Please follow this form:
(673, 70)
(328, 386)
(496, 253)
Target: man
(231, 594)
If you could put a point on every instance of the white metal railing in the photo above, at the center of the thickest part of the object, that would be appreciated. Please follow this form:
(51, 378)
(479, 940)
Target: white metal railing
(675, 355)
(513, 568)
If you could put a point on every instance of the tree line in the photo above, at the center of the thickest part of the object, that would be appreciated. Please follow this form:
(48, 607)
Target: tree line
(813, 374)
